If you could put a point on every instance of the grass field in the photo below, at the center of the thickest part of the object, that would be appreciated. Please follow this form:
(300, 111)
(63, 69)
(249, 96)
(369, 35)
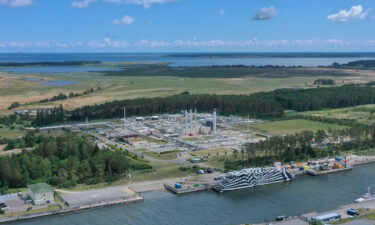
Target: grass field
(11, 133)
(216, 157)
(161, 171)
(14, 88)
(292, 126)
(216, 162)
(164, 155)
(212, 152)
(363, 114)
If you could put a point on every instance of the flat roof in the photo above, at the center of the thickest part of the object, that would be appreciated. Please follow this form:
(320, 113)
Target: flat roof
(326, 216)
(40, 188)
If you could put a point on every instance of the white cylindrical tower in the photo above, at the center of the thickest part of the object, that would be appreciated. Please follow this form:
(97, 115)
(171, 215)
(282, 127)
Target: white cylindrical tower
(214, 122)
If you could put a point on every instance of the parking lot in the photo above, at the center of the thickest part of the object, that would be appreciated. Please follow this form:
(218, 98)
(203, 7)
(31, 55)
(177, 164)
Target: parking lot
(14, 203)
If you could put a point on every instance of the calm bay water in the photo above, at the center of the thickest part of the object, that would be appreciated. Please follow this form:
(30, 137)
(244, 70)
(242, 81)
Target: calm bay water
(254, 205)
(57, 69)
(258, 59)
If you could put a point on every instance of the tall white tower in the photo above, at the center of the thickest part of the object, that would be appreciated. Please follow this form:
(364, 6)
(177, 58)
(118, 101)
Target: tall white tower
(186, 122)
(124, 117)
(214, 122)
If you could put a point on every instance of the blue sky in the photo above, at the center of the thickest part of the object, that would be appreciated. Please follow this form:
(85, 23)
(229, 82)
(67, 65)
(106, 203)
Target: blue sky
(186, 25)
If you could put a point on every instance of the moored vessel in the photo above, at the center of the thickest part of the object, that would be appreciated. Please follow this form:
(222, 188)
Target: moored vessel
(252, 177)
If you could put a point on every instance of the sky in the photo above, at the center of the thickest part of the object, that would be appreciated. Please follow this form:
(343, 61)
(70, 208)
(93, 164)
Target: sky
(186, 25)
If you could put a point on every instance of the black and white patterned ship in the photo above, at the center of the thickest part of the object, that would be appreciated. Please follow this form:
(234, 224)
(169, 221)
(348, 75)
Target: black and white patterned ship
(252, 177)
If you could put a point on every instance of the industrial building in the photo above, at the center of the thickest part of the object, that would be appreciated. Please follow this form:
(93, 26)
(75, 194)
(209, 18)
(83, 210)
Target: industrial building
(330, 217)
(41, 193)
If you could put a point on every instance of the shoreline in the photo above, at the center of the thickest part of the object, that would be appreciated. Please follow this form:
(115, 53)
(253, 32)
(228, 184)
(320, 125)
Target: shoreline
(305, 218)
(138, 189)
(67, 210)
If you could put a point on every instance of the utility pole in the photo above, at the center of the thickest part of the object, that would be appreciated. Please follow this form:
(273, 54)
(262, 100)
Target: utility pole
(87, 124)
(248, 126)
(124, 116)
(195, 122)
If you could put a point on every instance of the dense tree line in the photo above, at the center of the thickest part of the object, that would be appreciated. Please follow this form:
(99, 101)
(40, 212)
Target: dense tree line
(14, 119)
(24, 142)
(276, 55)
(356, 64)
(344, 122)
(324, 82)
(49, 116)
(65, 161)
(320, 98)
(225, 104)
(262, 105)
(266, 71)
(303, 146)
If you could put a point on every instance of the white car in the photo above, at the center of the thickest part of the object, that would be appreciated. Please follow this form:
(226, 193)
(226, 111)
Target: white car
(200, 172)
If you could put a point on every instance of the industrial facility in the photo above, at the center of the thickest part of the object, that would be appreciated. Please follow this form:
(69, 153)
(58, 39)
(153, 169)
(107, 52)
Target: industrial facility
(185, 131)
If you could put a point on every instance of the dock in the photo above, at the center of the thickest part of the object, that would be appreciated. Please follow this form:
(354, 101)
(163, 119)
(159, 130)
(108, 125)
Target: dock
(323, 172)
(188, 187)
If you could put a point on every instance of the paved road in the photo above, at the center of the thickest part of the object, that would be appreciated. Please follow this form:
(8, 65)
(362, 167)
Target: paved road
(74, 125)
(180, 160)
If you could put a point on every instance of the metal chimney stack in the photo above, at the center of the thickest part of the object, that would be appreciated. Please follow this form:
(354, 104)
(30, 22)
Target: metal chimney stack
(186, 122)
(124, 116)
(214, 122)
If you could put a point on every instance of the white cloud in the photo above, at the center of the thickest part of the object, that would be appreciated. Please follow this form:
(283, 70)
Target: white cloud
(222, 12)
(82, 4)
(126, 20)
(144, 3)
(17, 3)
(355, 12)
(266, 13)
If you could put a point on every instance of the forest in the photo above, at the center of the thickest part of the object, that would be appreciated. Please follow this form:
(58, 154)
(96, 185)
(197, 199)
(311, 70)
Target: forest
(228, 71)
(258, 105)
(324, 82)
(303, 146)
(65, 161)
(226, 104)
(275, 55)
(356, 64)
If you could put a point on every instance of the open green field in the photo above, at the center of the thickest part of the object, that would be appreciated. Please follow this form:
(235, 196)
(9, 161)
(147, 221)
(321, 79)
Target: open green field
(161, 171)
(292, 126)
(163, 155)
(139, 84)
(11, 133)
(213, 152)
(362, 114)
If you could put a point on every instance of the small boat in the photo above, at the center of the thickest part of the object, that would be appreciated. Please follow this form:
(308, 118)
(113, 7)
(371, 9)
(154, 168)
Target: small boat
(366, 197)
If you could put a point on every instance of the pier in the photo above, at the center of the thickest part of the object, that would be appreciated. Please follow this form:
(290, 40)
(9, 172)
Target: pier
(323, 172)
(183, 187)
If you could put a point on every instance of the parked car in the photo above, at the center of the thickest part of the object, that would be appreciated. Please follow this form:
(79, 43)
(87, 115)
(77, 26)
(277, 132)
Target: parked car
(200, 172)
(352, 212)
(28, 201)
(209, 170)
(25, 197)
